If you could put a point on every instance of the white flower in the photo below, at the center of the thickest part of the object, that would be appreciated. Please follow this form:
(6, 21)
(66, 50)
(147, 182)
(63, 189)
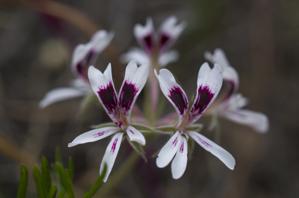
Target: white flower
(209, 82)
(231, 107)
(118, 107)
(155, 44)
(84, 55)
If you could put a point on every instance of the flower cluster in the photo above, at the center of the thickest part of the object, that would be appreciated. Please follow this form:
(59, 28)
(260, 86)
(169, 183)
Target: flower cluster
(156, 53)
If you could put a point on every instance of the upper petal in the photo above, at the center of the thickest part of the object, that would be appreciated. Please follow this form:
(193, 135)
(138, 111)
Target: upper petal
(228, 72)
(103, 86)
(93, 135)
(110, 154)
(179, 163)
(168, 150)
(135, 135)
(145, 35)
(60, 94)
(169, 32)
(134, 81)
(85, 55)
(137, 55)
(213, 148)
(172, 91)
(167, 57)
(209, 82)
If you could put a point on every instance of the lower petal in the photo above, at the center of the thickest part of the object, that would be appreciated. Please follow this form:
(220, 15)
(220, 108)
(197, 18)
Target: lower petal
(215, 149)
(60, 94)
(110, 154)
(257, 121)
(93, 135)
(168, 150)
(135, 135)
(179, 163)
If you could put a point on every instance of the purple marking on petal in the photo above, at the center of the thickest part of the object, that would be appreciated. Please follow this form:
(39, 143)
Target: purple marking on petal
(148, 42)
(202, 101)
(164, 39)
(82, 66)
(205, 143)
(230, 90)
(127, 95)
(108, 97)
(98, 134)
(114, 145)
(131, 131)
(175, 141)
(182, 147)
(178, 98)
(89, 57)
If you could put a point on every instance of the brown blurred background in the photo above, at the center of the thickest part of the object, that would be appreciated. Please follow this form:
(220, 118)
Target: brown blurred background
(260, 38)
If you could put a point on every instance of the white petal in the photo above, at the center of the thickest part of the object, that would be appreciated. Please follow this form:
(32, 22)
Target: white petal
(135, 135)
(142, 33)
(100, 40)
(93, 135)
(60, 94)
(78, 55)
(110, 154)
(135, 78)
(172, 91)
(103, 86)
(215, 149)
(209, 82)
(167, 57)
(170, 29)
(228, 72)
(137, 55)
(168, 150)
(179, 162)
(256, 120)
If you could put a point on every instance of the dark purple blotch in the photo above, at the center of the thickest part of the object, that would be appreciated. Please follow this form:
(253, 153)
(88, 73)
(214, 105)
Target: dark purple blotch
(164, 40)
(108, 97)
(148, 41)
(202, 101)
(127, 95)
(178, 97)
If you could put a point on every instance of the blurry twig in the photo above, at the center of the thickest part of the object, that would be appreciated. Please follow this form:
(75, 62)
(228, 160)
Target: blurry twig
(12, 151)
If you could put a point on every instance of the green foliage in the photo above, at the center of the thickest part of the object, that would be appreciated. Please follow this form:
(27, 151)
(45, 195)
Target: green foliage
(55, 180)
(22, 189)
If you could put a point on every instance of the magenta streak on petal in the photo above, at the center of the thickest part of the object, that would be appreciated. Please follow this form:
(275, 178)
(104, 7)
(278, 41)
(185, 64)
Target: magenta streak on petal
(175, 141)
(231, 90)
(178, 98)
(202, 101)
(206, 144)
(148, 42)
(127, 95)
(131, 131)
(108, 97)
(100, 133)
(164, 40)
(114, 145)
(182, 147)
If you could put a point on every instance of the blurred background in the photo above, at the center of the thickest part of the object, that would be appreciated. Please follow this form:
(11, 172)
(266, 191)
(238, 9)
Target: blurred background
(260, 38)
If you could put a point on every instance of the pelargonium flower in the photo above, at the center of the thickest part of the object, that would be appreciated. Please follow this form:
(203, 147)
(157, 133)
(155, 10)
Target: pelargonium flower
(209, 82)
(118, 107)
(84, 55)
(231, 106)
(155, 44)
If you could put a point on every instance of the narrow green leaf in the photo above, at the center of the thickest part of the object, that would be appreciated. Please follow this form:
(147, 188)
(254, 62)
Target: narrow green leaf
(38, 182)
(22, 189)
(65, 179)
(45, 174)
(58, 157)
(97, 185)
(71, 167)
(52, 192)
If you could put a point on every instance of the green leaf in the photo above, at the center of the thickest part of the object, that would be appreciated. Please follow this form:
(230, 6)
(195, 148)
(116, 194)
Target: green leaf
(45, 174)
(65, 179)
(58, 157)
(22, 189)
(71, 167)
(52, 192)
(97, 185)
(38, 182)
